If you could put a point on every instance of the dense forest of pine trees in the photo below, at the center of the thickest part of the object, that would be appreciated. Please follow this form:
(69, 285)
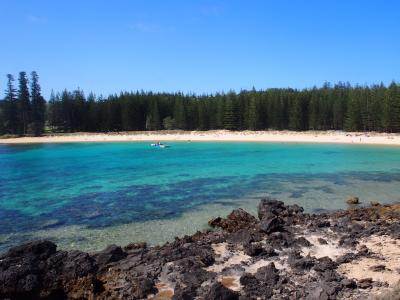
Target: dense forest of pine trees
(339, 107)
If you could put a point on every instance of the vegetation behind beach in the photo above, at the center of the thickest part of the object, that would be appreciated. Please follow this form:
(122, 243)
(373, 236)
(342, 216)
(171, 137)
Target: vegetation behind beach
(330, 107)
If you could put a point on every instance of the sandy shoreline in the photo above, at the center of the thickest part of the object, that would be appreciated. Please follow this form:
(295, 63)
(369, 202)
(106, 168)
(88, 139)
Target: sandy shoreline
(371, 138)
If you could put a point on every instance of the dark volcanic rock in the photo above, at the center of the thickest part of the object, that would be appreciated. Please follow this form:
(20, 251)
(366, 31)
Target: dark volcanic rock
(349, 283)
(322, 224)
(236, 220)
(22, 269)
(365, 283)
(135, 246)
(346, 258)
(37, 270)
(184, 293)
(254, 289)
(300, 263)
(244, 237)
(268, 275)
(322, 241)
(34, 250)
(254, 249)
(378, 268)
(258, 249)
(318, 293)
(353, 200)
(111, 254)
(271, 224)
(270, 207)
(324, 263)
(274, 215)
(219, 292)
(279, 240)
(302, 241)
(140, 288)
(262, 284)
(348, 241)
(78, 264)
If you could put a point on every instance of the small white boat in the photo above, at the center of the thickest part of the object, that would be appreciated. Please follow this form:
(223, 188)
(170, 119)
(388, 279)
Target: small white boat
(159, 145)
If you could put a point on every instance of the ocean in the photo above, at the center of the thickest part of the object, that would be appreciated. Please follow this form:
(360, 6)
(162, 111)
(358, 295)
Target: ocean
(89, 195)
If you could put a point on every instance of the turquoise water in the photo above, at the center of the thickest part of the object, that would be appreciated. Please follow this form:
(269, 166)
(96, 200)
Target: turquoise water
(88, 195)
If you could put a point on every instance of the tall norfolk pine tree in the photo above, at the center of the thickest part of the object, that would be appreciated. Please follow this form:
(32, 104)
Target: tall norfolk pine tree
(24, 105)
(230, 113)
(10, 111)
(253, 115)
(38, 105)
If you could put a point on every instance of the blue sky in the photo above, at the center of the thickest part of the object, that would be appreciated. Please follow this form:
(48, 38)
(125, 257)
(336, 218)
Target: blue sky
(199, 46)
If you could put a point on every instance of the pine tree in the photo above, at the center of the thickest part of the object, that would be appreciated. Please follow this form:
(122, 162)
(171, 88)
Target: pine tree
(2, 120)
(377, 99)
(391, 109)
(366, 115)
(230, 114)
(353, 121)
(340, 95)
(38, 106)
(219, 111)
(153, 118)
(79, 111)
(253, 115)
(24, 105)
(296, 115)
(54, 114)
(180, 114)
(313, 110)
(92, 119)
(10, 111)
(203, 116)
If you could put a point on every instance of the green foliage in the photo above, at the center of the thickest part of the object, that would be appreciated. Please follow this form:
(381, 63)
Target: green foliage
(391, 109)
(231, 120)
(169, 123)
(253, 115)
(338, 107)
(22, 112)
(2, 119)
(353, 120)
(38, 105)
(180, 114)
(23, 104)
(10, 109)
(296, 114)
(153, 117)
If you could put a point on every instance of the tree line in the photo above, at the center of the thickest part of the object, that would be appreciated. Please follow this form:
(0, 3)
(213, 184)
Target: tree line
(330, 107)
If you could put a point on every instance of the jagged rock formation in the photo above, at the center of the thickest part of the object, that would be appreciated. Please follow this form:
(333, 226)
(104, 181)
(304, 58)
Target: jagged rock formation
(284, 254)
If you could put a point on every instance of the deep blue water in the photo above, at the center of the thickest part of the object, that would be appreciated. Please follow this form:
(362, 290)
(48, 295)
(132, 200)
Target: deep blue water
(100, 185)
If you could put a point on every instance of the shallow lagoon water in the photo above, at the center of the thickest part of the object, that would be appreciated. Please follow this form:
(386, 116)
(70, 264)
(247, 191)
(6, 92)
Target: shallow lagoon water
(89, 195)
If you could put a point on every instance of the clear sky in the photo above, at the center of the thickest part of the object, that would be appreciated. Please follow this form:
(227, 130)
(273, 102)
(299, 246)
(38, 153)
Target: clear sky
(199, 46)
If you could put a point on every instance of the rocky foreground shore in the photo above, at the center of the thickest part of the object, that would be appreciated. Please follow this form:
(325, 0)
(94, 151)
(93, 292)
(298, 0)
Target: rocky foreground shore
(283, 254)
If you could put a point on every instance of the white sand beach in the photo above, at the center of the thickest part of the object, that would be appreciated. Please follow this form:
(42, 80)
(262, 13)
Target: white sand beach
(372, 138)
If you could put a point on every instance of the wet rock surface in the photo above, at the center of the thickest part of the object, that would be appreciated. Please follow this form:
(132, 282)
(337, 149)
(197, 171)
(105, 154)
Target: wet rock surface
(283, 254)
